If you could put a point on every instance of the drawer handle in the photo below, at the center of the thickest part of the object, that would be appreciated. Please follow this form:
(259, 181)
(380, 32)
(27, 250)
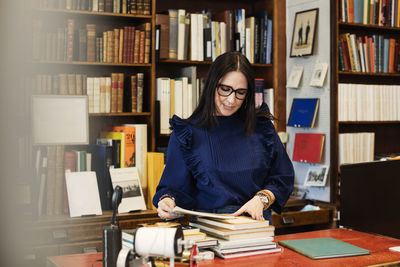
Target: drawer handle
(59, 234)
(287, 220)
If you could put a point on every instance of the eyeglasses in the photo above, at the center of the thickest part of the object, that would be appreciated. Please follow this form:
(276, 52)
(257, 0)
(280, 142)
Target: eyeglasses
(226, 90)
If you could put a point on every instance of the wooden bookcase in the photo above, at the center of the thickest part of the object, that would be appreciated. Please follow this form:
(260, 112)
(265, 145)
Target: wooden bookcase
(104, 21)
(273, 74)
(386, 132)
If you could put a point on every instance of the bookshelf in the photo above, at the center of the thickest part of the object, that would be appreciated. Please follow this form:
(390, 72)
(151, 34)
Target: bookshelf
(273, 74)
(386, 130)
(50, 13)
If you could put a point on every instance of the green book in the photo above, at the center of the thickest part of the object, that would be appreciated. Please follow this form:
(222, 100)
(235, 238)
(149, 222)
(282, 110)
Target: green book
(323, 248)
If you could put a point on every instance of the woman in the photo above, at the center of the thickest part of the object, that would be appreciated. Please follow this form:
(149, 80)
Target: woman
(227, 157)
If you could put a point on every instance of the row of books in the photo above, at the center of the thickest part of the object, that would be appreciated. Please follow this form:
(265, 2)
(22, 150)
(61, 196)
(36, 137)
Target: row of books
(356, 147)
(368, 102)
(51, 162)
(105, 94)
(373, 53)
(121, 146)
(129, 44)
(136, 7)
(115, 94)
(378, 12)
(204, 36)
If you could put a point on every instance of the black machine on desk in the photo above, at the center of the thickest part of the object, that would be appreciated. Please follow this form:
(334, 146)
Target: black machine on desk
(148, 242)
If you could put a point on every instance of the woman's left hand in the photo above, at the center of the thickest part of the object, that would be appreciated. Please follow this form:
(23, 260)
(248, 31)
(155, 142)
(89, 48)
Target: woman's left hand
(254, 207)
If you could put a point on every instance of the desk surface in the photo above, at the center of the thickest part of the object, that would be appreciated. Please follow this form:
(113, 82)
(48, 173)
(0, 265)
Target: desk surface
(378, 245)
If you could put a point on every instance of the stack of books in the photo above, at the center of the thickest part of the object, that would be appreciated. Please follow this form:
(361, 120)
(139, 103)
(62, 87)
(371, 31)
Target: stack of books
(238, 237)
(200, 239)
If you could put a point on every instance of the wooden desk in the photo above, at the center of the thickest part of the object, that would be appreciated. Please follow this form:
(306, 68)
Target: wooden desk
(378, 245)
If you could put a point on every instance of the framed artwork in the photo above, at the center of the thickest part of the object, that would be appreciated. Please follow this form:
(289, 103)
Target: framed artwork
(303, 36)
(319, 74)
(317, 175)
(295, 77)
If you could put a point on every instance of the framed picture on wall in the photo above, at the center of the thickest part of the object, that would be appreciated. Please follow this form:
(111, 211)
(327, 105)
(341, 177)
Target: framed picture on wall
(303, 36)
(319, 74)
(317, 175)
(295, 77)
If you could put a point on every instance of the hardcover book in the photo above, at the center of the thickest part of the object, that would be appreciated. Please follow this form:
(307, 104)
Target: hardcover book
(303, 112)
(323, 248)
(241, 222)
(308, 147)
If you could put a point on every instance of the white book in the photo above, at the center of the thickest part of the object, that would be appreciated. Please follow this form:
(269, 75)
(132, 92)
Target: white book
(108, 94)
(238, 223)
(248, 253)
(269, 99)
(194, 40)
(90, 93)
(83, 193)
(96, 95)
(271, 245)
(141, 152)
(247, 46)
(356, 57)
(95, 6)
(102, 94)
(163, 89)
(222, 31)
(200, 37)
(226, 233)
(213, 41)
(241, 28)
(227, 244)
(181, 34)
(185, 101)
(250, 23)
(180, 210)
(128, 179)
(178, 97)
(189, 100)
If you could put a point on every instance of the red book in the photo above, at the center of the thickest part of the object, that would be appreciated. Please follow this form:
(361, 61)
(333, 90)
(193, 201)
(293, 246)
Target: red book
(372, 49)
(308, 147)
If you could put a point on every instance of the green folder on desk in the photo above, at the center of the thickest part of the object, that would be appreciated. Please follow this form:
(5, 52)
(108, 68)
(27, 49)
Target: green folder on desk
(323, 248)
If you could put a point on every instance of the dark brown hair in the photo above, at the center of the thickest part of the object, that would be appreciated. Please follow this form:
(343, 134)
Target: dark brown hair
(204, 114)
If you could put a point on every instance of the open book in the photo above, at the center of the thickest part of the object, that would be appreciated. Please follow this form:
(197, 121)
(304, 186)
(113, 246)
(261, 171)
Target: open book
(203, 214)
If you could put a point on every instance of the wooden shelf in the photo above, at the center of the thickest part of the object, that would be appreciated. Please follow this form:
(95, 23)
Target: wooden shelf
(191, 62)
(92, 13)
(379, 74)
(368, 122)
(120, 114)
(366, 27)
(86, 63)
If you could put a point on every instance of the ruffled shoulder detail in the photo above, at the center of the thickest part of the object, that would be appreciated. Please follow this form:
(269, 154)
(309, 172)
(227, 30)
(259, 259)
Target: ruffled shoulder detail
(184, 134)
(182, 130)
(266, 128)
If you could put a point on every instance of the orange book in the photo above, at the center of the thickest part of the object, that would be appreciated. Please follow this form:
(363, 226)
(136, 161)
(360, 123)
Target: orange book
(392, 44)
(308, 147)
(371, 52)
(129, 133)
(351, 11)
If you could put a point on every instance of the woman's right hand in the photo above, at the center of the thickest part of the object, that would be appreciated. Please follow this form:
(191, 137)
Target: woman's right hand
(165, 207)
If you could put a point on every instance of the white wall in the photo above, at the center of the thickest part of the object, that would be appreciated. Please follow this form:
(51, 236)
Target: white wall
(321, 53)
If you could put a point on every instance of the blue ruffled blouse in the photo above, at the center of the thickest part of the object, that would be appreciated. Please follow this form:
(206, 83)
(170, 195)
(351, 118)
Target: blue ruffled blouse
(211, 169)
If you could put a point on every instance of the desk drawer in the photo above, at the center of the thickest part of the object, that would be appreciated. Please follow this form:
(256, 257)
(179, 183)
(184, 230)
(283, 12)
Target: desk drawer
(299, 218)
(67, 233)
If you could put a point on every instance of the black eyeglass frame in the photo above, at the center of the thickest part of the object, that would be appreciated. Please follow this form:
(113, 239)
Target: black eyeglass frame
(231, 91)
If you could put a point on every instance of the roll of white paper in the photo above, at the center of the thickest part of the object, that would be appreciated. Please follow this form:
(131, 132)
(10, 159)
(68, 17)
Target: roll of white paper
(157, 241)
(122, 257)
